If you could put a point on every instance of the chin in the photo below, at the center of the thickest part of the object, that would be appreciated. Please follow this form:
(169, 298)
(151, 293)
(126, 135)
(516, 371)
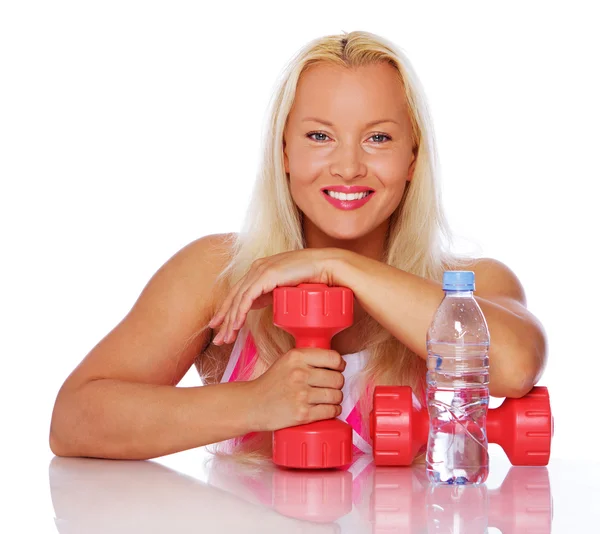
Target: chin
(344, 234)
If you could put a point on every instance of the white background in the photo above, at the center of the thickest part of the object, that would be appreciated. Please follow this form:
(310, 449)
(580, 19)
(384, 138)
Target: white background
(129, 129)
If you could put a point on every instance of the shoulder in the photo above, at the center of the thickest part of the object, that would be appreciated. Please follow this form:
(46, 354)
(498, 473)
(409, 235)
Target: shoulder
(205, 255)
(210, 253)
(198, 265)
(212, 250)
(495, 279)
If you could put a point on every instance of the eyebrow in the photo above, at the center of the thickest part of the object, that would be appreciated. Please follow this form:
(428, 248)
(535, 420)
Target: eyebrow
(327, 123)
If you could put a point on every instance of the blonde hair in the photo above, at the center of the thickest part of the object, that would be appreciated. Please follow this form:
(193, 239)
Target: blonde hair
(418, 239)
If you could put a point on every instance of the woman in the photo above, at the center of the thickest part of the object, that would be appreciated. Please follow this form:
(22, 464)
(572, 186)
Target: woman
(347, 195)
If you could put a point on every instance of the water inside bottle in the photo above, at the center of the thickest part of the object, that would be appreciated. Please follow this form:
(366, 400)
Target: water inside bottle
(457, 401)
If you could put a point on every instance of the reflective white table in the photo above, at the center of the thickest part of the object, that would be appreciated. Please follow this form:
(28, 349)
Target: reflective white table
(195, 492)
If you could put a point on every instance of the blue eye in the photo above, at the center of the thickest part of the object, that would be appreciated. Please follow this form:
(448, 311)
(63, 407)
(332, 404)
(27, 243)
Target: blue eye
(382, 135)
(315, 133)
(310, 136)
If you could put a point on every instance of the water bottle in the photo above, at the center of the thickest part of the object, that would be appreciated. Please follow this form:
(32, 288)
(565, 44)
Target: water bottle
(457, 386)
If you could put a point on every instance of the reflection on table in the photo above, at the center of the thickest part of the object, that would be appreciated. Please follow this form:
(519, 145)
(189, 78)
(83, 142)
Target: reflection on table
(91, 495)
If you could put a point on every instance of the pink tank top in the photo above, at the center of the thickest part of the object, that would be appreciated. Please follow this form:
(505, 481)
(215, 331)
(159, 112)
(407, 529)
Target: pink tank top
(244, 355)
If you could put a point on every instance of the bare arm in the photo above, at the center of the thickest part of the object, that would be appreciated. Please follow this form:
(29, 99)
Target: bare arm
(122, 401)
(518, 350)
(110, 418)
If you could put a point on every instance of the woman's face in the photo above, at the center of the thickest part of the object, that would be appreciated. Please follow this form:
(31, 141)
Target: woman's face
(348, 151)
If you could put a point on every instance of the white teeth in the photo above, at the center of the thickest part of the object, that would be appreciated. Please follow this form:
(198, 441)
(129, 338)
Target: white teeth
(346, 196)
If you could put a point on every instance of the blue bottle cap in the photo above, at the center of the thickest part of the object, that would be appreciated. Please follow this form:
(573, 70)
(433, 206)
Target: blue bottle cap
(459, 281)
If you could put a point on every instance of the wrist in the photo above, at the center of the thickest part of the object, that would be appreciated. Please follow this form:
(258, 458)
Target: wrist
(336, 266)
(254, 413)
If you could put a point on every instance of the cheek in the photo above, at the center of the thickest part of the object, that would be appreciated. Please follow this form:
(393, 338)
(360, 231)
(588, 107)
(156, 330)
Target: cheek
(305, 163)
(300, 192)
(305, 194)
(391, 173)
(390, 167)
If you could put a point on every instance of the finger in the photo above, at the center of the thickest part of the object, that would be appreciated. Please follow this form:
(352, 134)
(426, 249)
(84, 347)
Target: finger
(223, 309)
(325, 396)
(255, 292)
(319, 412)
(329, 359)
(224, 334)
(257, 285)
(222, 329)
(229, 325)
(325, 378)
(263, 301)
(260, 302)
(225, 305)
(247, 281)
(222, 315)
(221, 335)
(235, 305)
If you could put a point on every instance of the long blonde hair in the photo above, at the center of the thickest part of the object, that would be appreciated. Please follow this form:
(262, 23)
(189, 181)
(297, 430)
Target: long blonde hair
(418, 240)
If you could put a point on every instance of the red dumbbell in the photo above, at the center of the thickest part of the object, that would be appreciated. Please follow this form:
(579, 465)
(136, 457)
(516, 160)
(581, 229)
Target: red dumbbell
(522, 427)
(313, 314)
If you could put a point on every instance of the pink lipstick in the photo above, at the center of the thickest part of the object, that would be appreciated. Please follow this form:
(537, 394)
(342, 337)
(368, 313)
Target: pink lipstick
(348, 197)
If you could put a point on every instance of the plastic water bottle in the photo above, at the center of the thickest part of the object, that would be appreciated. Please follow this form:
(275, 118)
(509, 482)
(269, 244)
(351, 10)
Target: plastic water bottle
(457, 386)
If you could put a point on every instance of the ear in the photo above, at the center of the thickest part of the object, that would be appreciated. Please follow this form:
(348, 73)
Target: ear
(411, 168)
(286, 162)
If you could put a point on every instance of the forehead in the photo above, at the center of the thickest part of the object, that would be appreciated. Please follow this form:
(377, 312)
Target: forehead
(332, 92)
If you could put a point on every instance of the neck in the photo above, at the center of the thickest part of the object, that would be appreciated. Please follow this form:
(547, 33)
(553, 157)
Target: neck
(371, 245)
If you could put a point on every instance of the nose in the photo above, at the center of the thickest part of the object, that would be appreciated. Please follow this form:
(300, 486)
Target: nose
(348, 162)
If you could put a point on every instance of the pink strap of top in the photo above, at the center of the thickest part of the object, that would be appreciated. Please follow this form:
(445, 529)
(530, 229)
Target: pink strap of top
(245, 359)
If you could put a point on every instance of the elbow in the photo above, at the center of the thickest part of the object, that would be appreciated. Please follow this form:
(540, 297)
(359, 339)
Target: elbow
(54, 441)
(516, 385)
(532, 363)
(56, 446)
(520, 386)
(57, 439)
(534, 359)
(61, 433)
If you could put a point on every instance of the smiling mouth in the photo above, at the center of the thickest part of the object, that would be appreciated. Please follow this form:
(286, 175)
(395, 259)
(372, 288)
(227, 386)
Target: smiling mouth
(347, 196)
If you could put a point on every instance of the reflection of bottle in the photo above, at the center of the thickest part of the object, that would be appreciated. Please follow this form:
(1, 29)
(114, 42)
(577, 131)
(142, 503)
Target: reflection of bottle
(463, 509)
(457, 386)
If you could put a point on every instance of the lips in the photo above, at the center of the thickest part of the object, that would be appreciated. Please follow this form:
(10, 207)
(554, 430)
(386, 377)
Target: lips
(348, 204)
(347, 188)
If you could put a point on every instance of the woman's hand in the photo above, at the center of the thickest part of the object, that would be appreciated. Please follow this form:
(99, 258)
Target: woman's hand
(254, 290)
(303, 385)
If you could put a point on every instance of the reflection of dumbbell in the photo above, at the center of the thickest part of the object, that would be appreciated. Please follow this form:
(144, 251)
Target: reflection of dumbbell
(313, 314)
(522, 427)
(392, 499)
